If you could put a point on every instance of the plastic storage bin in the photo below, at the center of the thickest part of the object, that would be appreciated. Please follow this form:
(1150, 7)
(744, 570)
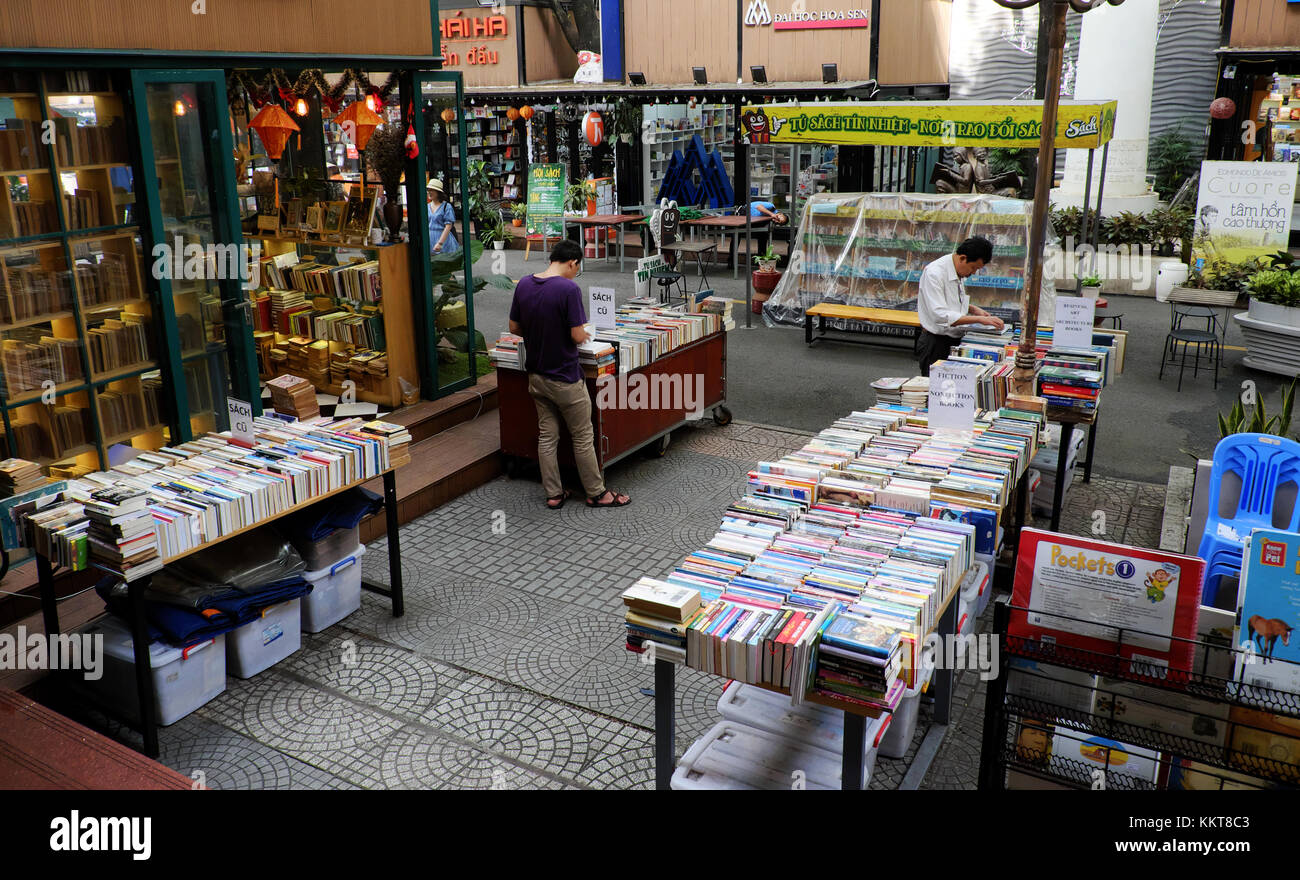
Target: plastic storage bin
(183, 678)
(338, 545)
(898, 736)
(262, 643)
(972, 585)
(335, 592)
(812, 725)
(733, 756)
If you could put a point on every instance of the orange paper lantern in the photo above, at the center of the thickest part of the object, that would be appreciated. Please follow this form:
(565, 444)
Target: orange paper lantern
(360, 121)
(448, 115)
(526, 112)
(594, 128)
(273, 126)
(512, 114)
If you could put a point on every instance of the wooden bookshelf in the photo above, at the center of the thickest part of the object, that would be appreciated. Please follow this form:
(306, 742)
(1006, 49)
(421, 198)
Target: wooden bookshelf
(394, 305)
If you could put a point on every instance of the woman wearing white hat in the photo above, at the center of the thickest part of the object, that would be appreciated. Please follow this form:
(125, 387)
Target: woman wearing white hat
(442, 219)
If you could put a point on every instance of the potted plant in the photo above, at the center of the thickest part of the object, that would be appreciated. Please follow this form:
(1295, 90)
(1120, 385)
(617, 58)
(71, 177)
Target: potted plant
(495, 233)
(519, 212)
(1215, 283)
(386, 152)
(1091, 286)
(1275, 297)
(578, 196)
(765, 278)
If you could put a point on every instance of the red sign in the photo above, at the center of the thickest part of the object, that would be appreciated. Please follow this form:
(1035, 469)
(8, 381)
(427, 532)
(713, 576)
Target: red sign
(479, 27)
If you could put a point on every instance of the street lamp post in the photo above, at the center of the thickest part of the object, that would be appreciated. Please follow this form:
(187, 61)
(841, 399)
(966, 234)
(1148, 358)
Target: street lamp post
(1022, 378)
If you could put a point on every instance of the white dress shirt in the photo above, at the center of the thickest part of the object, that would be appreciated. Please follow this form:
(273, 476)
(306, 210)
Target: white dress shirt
(942, 298)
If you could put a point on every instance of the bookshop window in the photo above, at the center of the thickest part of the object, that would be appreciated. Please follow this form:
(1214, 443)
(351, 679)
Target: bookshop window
(77, 331)
(332, 303)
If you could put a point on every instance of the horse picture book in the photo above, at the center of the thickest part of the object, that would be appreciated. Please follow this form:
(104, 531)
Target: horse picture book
(1268, 610)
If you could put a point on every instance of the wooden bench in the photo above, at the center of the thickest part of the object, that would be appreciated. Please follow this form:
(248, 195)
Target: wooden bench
(886, 317)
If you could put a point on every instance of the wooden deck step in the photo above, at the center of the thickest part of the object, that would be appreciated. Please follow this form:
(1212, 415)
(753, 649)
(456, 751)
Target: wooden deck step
(443, 467)
(430, 417)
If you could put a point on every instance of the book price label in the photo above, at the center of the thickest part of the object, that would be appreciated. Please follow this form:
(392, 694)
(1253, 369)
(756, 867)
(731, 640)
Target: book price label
(600, 306)
(1073, 327)
(241, 421)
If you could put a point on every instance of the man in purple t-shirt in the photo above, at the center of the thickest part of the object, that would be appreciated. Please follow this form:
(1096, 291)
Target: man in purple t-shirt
(547, 312)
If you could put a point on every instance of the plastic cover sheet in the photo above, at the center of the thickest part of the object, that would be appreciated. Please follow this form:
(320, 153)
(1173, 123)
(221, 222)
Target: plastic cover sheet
(868, 249)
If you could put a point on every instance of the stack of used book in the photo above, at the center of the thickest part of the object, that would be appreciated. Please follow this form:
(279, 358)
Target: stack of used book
(18, 475)
(660, 613)
(293, 396)
(597, 359)
(508, 353)
(398, 438)
(59, 534)
(916, 392)
(720, 305)
(858, 659)
(1070, 380)
(122, 535)
(889, 390)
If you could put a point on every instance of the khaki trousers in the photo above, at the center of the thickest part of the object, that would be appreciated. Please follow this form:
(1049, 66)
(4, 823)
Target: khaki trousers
(569, 402)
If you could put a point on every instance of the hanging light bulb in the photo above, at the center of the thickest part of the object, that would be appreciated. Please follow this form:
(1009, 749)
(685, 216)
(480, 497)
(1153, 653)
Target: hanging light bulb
(371, 104)
(300, 107)
(179, 107)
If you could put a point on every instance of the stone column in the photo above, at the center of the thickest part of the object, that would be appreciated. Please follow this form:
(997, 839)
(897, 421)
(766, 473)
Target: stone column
(1117, 57)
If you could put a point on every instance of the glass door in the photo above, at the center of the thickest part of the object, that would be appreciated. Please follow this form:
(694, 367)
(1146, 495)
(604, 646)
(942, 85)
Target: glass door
(447, 186)
(197, 258)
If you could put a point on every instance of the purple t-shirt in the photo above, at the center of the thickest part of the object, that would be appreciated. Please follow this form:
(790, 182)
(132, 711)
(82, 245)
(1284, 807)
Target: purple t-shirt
(548, 309)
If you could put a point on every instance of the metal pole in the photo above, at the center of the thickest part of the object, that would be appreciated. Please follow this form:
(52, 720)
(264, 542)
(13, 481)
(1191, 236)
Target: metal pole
(1101, 190)
(1023, 377)
(1086, 232)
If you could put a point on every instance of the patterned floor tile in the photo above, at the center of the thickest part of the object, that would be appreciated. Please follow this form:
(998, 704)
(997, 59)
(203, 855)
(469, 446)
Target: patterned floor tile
(220, 758)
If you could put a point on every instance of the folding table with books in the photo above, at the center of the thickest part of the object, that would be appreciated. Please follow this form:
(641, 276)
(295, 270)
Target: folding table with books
(195, 506)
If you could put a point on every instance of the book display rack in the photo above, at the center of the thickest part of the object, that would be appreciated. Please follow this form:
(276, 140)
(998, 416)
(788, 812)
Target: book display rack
(1062, 716)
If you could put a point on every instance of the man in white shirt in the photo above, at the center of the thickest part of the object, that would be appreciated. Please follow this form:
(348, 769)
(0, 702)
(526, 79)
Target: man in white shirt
(944, 307)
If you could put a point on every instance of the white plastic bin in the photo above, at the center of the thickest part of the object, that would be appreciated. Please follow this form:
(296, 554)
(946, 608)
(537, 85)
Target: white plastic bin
(262, 643)
(335, 592)
(1168, 276)
(813, 725)
(898, 736)
(968, 602)
(330, 549)
(183, 678)
(733, 756)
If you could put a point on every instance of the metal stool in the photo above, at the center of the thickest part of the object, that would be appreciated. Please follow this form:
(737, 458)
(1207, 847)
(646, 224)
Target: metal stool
(1117, 319)
(1188, 338)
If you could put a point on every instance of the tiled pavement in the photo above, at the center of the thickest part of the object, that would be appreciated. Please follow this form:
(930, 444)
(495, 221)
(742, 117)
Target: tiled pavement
(508, 669)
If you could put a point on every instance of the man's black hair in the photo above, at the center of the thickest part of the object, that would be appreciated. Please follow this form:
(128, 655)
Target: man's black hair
(977, 248)
(566, 250)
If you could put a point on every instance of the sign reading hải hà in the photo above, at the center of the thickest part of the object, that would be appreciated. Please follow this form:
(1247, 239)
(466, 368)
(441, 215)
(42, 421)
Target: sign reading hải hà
(927, 124)
(458, 26)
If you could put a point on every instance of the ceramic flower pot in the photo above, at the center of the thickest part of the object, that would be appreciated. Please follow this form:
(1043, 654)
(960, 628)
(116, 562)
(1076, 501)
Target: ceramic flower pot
(765, 282)
(1269, 313)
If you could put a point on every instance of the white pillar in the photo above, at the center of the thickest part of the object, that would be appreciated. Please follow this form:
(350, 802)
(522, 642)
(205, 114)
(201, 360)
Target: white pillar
(1117, 59)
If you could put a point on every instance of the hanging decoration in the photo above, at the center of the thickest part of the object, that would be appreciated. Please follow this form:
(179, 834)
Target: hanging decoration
(448, 115)
(569, 112)
(512, 114)
(300, 107)
(526, 112)
(593, 127)
(411, 143)
(261, 89)
(273, 126)
(358, 122)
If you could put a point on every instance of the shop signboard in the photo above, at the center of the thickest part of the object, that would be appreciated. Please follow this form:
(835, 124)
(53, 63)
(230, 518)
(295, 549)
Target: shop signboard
(600, 306)
(546, 186)
(1015, 124)
(1244, 209)
(644, 267)
(796, 16)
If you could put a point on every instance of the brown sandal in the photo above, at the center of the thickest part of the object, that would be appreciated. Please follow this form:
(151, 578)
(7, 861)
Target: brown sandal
(592, 502)
(560, 498)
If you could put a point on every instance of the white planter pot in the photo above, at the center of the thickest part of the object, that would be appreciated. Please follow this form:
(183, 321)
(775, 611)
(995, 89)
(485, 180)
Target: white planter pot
(1090, 292)
(499, 245)
(1268, 313)
(767, 265)
(1274, 348)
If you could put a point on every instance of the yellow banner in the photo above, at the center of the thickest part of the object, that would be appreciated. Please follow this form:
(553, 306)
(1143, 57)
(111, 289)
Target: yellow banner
(1080, 124)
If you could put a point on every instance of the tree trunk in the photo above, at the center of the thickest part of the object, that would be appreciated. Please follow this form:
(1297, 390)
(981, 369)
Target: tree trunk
(581, 26)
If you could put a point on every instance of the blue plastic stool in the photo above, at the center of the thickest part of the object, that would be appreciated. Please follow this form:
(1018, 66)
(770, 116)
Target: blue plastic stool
(1264, 464)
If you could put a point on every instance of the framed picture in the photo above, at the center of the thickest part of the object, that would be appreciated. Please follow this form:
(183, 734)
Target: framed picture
(293, 215)
(313, 218)
(361, 213)
(269, 223)
(332, 221)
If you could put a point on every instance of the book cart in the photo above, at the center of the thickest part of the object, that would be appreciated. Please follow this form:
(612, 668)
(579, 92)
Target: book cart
(148, 722)
(620, 431)
(1199, 729)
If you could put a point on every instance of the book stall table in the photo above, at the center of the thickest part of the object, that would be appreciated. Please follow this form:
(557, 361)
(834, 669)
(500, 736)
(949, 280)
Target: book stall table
(139, 627)
(621, 430)
(832, 582)
(698, 250)
(1068, 419)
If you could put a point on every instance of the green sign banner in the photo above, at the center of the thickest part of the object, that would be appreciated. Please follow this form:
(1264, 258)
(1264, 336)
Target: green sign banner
(546, 186)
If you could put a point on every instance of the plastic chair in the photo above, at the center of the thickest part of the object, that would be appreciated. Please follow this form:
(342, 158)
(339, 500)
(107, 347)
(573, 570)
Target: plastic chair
(1265, 465)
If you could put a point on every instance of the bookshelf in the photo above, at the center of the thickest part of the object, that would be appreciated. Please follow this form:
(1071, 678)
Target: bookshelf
(78, 334)
(492, 138)
(670, 128)
(329, 351)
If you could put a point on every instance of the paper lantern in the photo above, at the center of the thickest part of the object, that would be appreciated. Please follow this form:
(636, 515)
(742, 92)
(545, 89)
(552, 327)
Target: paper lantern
(448, 115)
(594, 128)
(526, 112)
(1223, 108)
(273, 126)
(512, 114)
(360, 122)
